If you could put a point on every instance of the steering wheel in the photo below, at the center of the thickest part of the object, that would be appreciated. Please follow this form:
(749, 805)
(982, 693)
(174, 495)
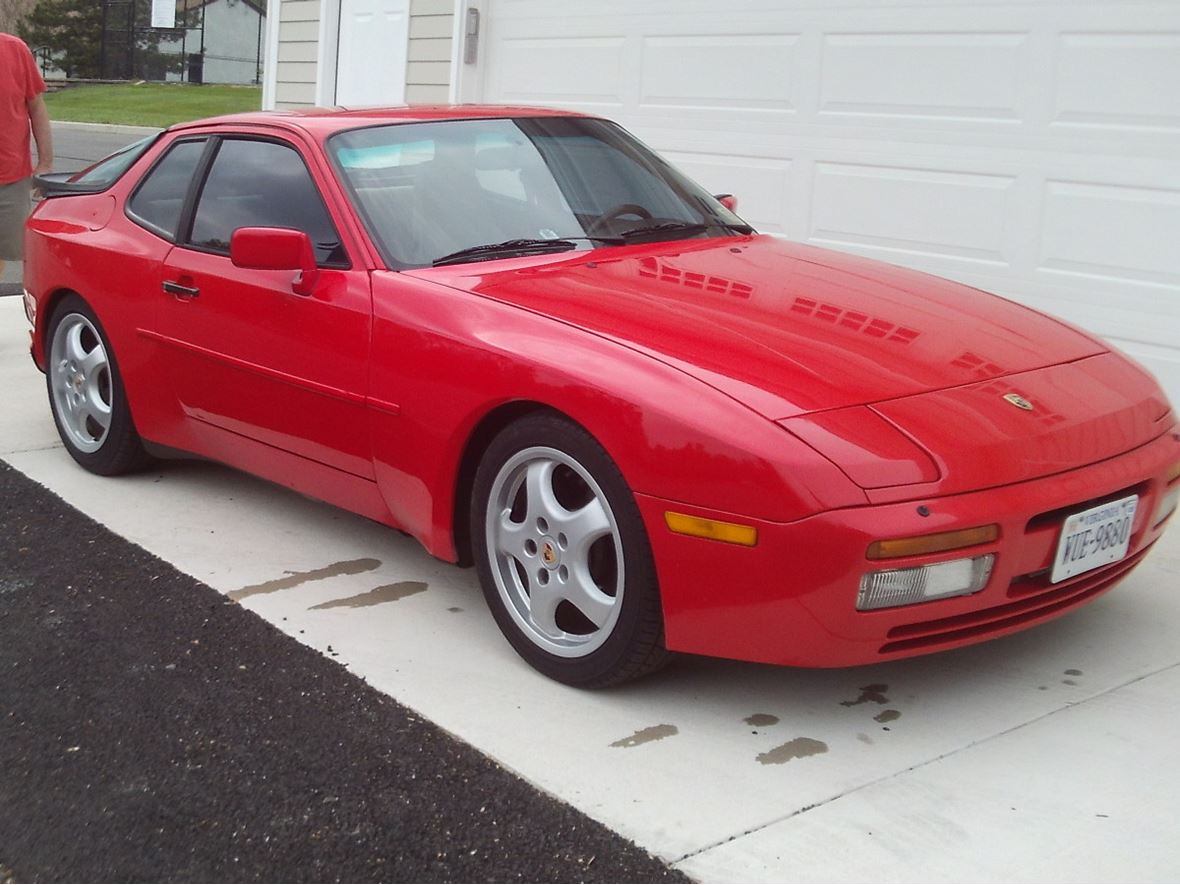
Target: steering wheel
(617, 212)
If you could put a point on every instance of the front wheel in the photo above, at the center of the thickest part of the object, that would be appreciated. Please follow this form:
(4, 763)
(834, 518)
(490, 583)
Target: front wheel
(563, 557)
(86, 393)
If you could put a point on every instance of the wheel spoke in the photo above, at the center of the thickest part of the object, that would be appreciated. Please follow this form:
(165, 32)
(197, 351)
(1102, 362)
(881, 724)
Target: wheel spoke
(543, 602)
(582, 593)
(91, 362)
(541, 501)
(94, 406)
(585, 526)
(74, 351)
(77, 416)
(510, 536)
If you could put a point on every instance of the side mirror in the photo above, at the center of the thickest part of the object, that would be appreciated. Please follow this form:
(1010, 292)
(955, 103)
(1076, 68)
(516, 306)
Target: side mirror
(729, 201)
(276, 248)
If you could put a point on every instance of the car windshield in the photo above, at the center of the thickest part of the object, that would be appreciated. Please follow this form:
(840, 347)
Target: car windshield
(470, 190)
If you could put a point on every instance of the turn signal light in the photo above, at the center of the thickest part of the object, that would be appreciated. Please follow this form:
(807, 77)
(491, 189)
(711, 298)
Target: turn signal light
(1173, 474)
(711, 529)
(907, 586)
(937, 543)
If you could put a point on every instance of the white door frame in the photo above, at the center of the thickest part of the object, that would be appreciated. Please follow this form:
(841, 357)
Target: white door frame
(326, 54)
(270, 73)
(467, 80)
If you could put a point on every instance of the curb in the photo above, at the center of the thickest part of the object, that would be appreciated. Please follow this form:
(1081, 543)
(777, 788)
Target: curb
(107, 127)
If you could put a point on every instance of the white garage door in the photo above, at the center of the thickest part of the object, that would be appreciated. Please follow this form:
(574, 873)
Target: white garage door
(1030, 148)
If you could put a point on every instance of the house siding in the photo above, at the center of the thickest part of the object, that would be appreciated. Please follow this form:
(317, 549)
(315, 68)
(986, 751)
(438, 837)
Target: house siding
(428, 71)
(295, 68)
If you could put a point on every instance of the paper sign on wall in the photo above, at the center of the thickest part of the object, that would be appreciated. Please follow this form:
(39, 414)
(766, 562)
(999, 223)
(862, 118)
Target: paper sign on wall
(163, 13)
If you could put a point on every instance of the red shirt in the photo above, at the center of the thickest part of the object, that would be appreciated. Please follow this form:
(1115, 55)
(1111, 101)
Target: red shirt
(19, 81)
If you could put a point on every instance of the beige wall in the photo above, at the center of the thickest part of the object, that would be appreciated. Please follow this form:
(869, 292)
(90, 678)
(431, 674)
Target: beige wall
(428, 70)
(295, 68)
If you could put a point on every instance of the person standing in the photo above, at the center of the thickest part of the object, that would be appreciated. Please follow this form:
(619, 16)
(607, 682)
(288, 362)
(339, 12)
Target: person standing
(22, 109)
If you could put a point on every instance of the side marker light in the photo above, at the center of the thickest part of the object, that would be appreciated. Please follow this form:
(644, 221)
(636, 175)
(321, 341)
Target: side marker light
(711, 529)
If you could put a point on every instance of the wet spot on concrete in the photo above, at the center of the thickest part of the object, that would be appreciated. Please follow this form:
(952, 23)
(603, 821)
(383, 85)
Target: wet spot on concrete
(869, 694)
(799, 748)
(1073, 672)
(864, 739)
(761, 720)
(294, 579)
(1042, 688)
(454, 608)
(647, 735)
(887, 716)
(1068, 682)
(376, 596)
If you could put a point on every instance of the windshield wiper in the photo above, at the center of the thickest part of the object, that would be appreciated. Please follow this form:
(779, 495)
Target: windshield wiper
(680, 227)
(735, 228)
(610, 241)
(505, 249)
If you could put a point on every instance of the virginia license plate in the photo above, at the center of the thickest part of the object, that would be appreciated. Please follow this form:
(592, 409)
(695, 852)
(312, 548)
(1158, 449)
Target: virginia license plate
(1094, 537)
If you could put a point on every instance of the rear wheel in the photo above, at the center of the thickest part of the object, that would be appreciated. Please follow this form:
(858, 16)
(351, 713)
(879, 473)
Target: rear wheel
(86, 393)
(563, 556)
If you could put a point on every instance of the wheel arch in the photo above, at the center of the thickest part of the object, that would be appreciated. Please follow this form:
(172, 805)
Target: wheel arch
(45, 310)
(473, 451)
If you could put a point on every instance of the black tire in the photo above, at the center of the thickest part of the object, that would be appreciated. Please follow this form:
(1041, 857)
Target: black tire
(86, 392)
(568, 572)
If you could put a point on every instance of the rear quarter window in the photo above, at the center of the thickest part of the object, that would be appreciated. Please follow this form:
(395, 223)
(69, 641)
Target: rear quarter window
(159, 199)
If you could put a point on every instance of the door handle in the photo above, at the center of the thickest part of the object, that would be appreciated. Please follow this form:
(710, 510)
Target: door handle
(174, 288)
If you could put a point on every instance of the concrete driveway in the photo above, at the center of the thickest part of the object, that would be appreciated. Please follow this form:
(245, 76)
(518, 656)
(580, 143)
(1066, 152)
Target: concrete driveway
(1046, 756)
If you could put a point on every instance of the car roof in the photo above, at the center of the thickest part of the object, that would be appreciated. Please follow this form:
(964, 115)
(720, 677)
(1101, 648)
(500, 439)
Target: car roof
(324, 121)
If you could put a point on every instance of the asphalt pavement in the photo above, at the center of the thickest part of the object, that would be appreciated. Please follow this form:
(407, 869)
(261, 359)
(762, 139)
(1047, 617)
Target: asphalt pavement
(199, 743)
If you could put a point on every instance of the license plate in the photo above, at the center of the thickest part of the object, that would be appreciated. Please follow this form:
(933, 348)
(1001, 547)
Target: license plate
(1094, 537)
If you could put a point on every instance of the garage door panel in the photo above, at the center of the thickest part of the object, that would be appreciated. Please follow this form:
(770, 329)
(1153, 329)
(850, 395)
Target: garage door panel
(725, 71)
(968, 76)
(576, 70)
(1121, 234)
(1122, 81)
(858, 205)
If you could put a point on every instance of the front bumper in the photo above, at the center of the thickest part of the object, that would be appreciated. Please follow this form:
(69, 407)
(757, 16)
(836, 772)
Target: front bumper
(792, 598)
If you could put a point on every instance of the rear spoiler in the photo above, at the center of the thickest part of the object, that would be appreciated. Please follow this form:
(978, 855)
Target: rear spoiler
(58, 184)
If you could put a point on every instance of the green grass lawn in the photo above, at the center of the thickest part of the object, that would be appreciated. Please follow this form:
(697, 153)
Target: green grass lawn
(149, 104)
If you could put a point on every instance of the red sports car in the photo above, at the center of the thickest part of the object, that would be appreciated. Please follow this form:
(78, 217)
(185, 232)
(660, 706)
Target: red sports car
(528, 341)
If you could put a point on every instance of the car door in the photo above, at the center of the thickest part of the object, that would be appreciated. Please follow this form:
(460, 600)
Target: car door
(247, 355)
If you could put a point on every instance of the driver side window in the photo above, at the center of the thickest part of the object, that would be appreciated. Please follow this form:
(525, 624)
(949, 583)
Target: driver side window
(262, 184)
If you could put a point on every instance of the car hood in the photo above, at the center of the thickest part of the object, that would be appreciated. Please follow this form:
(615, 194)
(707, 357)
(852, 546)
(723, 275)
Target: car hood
(784, 328)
